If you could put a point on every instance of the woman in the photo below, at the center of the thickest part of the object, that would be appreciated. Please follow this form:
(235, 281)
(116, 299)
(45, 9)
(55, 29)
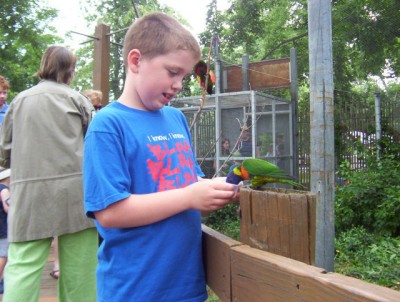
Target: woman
(42, 141)
(225, 152)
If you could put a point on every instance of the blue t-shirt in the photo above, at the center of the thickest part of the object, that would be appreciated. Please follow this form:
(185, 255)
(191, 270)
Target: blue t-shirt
(3, 113)
(246, 148)
(132, 151)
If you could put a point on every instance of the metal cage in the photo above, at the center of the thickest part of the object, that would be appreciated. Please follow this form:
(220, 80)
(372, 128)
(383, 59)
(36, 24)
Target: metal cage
(268, 118)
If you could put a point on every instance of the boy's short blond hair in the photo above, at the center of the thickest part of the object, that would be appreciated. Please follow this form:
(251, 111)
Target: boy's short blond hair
(4, 83)
(158, 34)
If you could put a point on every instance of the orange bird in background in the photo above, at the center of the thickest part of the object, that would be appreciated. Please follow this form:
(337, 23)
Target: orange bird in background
(200, 70)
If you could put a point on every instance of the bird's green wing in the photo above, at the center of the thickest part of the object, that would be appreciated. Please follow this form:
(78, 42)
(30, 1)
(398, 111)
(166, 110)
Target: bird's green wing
(259, 181)
(260, 167)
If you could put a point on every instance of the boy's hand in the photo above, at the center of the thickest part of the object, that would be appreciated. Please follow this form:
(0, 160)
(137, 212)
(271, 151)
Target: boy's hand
(237, 187)
(209, 195)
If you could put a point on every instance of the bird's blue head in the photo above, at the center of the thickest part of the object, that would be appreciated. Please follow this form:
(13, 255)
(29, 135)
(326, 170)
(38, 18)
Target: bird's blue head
(234, 176)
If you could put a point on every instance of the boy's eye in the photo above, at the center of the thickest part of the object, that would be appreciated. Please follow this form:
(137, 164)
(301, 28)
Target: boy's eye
(172, 73)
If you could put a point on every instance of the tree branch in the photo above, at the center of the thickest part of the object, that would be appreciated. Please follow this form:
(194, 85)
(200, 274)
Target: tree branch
(282, 43)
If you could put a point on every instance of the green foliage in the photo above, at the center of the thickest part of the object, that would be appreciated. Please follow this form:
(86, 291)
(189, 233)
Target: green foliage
(265, 140)
(24, 36)
(268, 29)
(361, 25)
(226, 220)
(212, 297)
(371, 198)
(369, 257)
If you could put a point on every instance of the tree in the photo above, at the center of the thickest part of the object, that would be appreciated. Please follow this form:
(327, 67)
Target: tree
(24, 35)
(365, 35)
(366, 39)
(261, 29)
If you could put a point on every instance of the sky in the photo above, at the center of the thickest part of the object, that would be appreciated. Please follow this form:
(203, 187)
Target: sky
(72, 19)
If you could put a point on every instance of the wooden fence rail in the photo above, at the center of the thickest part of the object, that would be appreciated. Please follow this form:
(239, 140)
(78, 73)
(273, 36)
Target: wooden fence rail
(279, 221)
(238, 272)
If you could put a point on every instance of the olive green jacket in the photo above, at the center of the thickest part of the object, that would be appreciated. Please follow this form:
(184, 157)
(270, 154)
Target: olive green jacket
(41, 140)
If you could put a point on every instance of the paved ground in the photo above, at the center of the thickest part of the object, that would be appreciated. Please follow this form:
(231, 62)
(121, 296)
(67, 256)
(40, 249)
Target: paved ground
(48, 292)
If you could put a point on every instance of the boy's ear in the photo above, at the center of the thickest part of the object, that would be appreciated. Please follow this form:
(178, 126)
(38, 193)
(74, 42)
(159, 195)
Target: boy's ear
(133, 59)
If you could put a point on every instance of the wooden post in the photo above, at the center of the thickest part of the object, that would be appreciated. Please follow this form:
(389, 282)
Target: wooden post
(322, 128)
(245, 73)
(101, 64)
(294, 97)
(279, 221)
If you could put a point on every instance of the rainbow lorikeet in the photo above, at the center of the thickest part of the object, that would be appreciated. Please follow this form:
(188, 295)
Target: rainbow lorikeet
(200, 70)
(259, 172)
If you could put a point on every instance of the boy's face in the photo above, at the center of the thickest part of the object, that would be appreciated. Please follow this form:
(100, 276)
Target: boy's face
(158, 80)
(3, 95)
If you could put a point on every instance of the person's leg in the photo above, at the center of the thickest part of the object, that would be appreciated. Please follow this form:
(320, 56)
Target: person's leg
(24, 268)
(55, 273)
(78, 262)
(3, 255)
(3, 261)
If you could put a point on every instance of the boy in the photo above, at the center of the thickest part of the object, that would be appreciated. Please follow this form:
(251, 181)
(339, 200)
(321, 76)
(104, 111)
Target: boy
(4, 86)
(141, 177)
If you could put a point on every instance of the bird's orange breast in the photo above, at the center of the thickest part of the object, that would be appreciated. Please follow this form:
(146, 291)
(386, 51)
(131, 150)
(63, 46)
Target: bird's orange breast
(245, 174)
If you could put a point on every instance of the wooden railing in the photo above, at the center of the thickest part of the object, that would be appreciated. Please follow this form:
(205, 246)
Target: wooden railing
(274, 259)
(240, 273)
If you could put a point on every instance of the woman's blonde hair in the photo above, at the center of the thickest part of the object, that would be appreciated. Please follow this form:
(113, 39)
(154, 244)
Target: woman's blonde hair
(158, 34)
(95, 96)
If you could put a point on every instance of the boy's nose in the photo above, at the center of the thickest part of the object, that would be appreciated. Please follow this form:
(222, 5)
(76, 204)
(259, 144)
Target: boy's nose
(177, 85)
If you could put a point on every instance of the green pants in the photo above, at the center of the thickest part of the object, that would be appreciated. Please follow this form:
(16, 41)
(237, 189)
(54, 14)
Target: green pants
(78, 261)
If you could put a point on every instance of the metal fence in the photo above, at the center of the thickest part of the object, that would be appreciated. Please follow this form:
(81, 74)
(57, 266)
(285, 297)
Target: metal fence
(355, 129)
(267, 118)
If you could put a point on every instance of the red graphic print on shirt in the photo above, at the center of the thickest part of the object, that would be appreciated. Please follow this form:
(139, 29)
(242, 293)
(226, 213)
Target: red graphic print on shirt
(172, 167)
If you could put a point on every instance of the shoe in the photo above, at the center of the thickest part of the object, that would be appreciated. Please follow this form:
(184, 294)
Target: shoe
(54, 274)
(2, 286)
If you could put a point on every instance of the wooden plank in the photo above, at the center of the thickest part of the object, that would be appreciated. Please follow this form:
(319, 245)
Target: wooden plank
(217, 261)
(245, 215)
(278, 221)
(285, 225)
(272, 216)
(262, 276)
(269, 74)
(299, 241)
(262, 75)
(312, 213)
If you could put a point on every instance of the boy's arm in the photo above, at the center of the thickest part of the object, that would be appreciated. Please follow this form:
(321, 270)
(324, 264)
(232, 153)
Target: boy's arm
(139, 210)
